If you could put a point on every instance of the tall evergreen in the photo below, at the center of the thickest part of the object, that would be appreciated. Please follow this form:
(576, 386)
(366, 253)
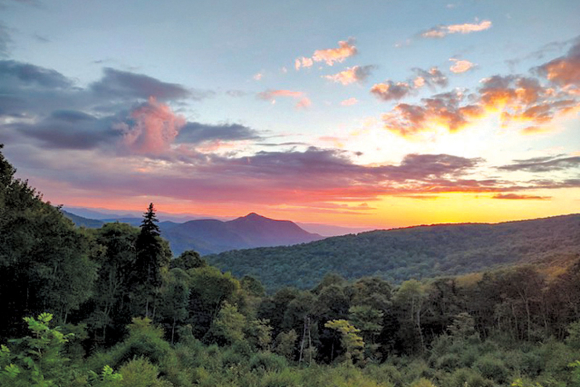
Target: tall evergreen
(150, 260)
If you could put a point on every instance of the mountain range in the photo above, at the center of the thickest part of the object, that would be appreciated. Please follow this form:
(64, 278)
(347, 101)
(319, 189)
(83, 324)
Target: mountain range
(209, 236)
(415, 252)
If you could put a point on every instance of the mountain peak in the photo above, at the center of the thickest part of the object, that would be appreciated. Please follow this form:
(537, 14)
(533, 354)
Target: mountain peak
(253, 216)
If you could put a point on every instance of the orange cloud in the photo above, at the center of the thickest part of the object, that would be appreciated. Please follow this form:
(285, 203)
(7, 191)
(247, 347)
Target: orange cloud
(460, 66)
(441, 110)
(442, 31)
(564, 71)
(329, 56)
(154, 129)
(351, 75)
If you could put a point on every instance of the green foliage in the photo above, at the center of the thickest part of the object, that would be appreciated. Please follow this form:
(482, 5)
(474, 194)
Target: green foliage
(423, 383)
(228, 327)
(573, 339)
(351, 341)
(139, 372)
(36, 360)
(189, 259)
(286, 344)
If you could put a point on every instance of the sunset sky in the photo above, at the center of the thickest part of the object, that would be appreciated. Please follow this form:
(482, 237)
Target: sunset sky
(364, 114)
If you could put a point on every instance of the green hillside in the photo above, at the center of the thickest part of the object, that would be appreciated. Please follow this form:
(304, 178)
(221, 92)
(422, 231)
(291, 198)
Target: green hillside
(417, 252)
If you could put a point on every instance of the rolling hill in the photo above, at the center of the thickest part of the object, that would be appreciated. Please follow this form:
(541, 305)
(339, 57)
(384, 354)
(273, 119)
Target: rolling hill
(416, 252)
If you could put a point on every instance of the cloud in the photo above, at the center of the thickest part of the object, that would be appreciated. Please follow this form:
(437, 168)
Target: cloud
(68, 129)
(512, 196)
(432, 77)
(127, 85)
(351, 75)
(303, 62)
(329, 56)
(389, 90)
(444, 110)
(196, 133)
(13, 73)
(349, 102)
(564, 71)
(47, 109)
(152, 129)
(427, 166)
(467, 28)
(522, 102)
(543, 164)
(258, 76)
(460, 66)
(272, 95)
(303, 103)
(523, 99)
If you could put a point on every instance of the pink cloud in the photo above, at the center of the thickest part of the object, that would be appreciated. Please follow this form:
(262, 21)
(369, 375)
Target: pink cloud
(271, 95)
(304, 103)
(460, 66)
(154, 128)
(349, 102)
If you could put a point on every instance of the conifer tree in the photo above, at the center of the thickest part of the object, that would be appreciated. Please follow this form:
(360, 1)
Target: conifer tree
(150, 259)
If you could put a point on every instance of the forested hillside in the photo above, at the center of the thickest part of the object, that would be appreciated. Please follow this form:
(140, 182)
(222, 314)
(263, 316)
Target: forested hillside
(110, 307)
(416, 252)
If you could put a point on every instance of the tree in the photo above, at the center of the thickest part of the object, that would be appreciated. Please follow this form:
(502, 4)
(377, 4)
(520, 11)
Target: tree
(409, 298)
(189, 259)
(151, 258)
(351, 341)
(175, 298)
(44, 264)
(116, 255)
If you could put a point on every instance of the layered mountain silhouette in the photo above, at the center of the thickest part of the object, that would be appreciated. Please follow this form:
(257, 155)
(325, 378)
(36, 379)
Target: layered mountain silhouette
(209, 236)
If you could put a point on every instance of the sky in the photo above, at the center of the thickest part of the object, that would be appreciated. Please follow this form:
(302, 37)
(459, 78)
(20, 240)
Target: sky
(363, 114)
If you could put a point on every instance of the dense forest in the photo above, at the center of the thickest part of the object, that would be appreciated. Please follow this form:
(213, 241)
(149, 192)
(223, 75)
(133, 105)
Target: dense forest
(112, 307)
(414, 252)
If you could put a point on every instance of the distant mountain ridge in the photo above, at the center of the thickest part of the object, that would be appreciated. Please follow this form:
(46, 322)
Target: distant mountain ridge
(210, 236)
(414, 252)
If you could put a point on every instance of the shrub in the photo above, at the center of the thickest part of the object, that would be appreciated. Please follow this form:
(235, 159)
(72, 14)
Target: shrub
(492, 368)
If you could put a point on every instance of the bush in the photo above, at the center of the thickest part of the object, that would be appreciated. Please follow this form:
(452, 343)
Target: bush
(447, 362)
(466, 377)
(141, 373)
(268, 362)
(492, 368)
